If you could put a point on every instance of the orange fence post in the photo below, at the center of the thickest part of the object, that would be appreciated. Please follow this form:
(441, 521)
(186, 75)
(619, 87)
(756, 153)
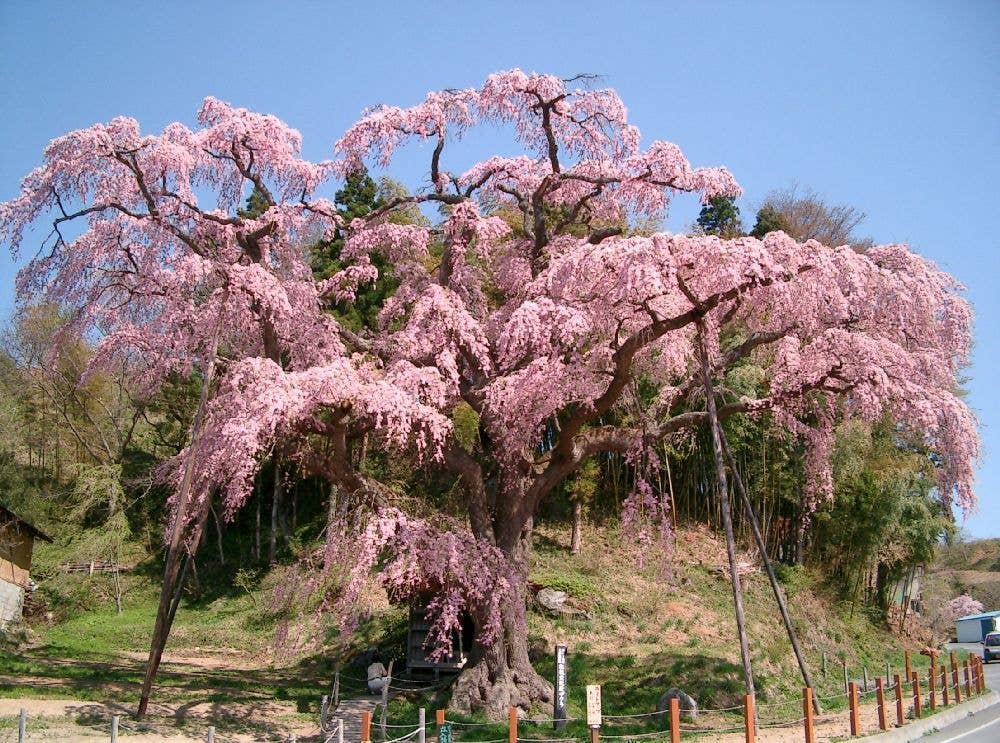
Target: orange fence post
(807, 709)
(675, 720)
(595, 734)
(968, 686)
(932, 692)
(899, 700)
(748, 718)
(944, 685)
(880, 694)
(439, 717)
(512, 725)
(917, 702)
(366, 727)
(852, 692)
(979, 675)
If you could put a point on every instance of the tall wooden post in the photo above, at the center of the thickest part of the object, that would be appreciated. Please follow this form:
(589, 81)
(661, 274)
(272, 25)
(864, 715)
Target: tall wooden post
(853, 702)
(899, 699)
(906, 661)
(807, 712)
(366, 727)
(512, 725)
(749, 719)
(722, 492)
(880, 695)
(779, 594)
(675, 720)
(917, 702)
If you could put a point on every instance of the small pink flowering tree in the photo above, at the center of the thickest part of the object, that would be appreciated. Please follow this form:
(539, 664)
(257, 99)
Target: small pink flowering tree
(540, 324)
(963, 606)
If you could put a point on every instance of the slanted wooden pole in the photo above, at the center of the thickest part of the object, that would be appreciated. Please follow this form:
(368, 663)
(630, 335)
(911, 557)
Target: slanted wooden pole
(779, 594)
(171, 568)
(899, 699)
(852, 698)
(883, 723)
(722, 492)
(675, 720)
(749, 719)
(512, 725)
(917, 702)
(807, 713)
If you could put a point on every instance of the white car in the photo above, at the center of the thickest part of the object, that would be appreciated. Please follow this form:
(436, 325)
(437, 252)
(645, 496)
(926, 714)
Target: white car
(991, 647)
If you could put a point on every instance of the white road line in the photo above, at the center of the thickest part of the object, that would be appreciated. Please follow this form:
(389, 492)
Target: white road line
(974, 730)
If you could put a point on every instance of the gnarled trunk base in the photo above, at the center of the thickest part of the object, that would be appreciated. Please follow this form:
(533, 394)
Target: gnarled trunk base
(494, 687)
(501, 676)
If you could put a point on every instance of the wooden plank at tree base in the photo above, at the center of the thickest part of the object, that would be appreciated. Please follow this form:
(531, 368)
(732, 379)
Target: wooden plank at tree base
(749, 718)
(883, 723)
(807, 710)
(675, 720)
(852, 700)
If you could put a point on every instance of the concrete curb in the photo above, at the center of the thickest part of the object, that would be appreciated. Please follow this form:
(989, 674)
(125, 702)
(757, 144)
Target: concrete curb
(919, 728)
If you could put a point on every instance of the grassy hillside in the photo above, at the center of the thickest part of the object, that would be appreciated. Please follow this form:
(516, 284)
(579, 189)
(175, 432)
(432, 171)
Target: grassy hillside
(636, 632)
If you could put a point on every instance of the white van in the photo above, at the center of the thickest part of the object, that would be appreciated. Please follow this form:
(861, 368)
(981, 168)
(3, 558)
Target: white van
(991, 647)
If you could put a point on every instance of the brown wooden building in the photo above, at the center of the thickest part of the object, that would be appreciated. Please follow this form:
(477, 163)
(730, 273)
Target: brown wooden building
(17, 540)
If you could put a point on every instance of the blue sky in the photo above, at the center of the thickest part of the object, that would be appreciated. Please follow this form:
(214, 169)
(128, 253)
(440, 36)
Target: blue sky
(891, 107)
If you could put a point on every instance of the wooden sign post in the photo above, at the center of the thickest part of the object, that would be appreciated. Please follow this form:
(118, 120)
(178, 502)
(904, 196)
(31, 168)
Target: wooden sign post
(594, 711)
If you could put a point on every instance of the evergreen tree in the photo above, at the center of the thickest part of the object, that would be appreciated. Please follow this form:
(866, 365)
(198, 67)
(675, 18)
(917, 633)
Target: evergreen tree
(769, 219)
(721, 217)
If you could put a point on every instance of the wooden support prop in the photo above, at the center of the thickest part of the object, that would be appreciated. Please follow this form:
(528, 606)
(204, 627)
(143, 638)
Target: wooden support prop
(366, 727)
(977, 668)
(982, 676)
(749, 719)
(115, 722)
(439, 717)
(906, 661)
(824, 664)
(944, 685)
(852, 700)
(421, 725)
(899, 699)
(675, 720)
(888, 673)
(324, 711)
(931, 691)
(512, 725)
(847, 686)
(918, 706)
(883, 724)
(22, 725)
(968, 686)
(210, 738)
(807, 712)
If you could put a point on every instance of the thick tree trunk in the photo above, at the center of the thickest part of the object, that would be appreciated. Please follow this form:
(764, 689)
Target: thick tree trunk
(500, 676)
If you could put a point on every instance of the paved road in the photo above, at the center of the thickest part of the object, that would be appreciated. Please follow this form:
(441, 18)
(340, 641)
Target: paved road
(983, 727)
